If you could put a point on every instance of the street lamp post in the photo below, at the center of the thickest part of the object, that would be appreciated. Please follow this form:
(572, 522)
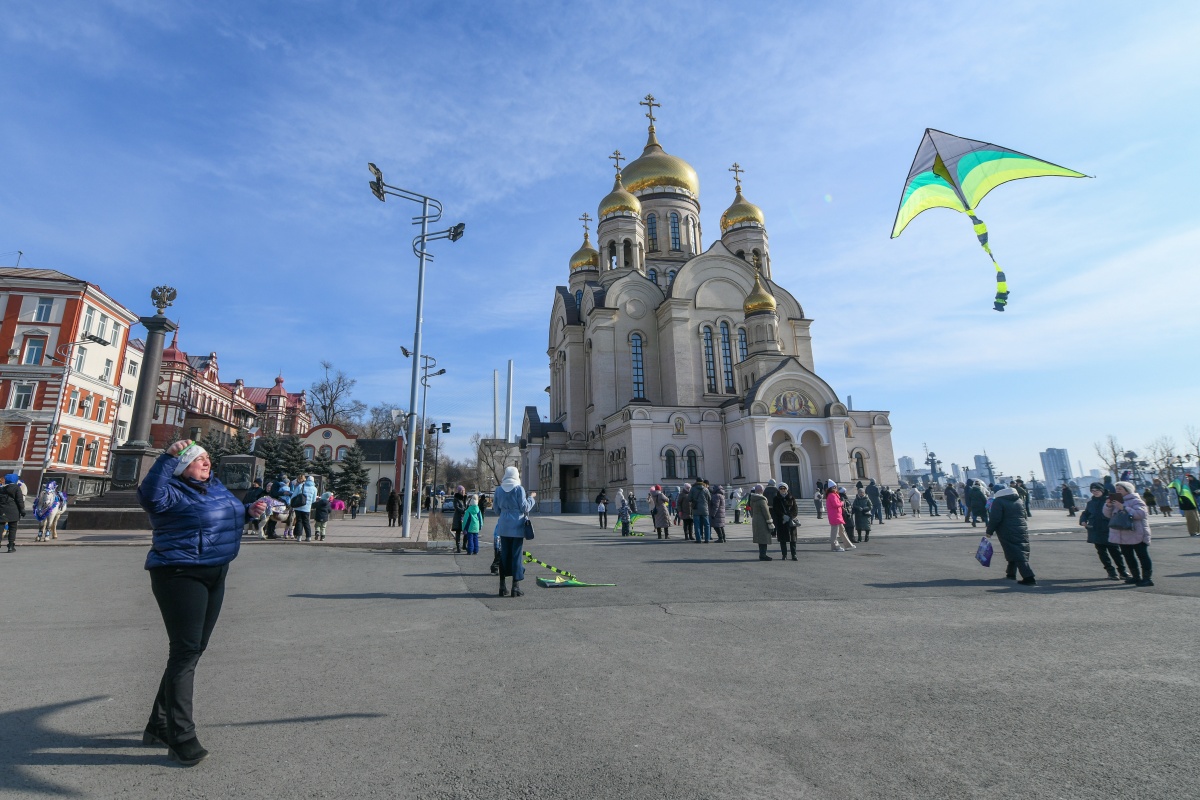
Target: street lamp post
(381, 190)
(424, 399)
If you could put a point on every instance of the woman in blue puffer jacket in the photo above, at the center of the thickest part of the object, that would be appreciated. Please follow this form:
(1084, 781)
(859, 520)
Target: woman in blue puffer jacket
(197, 531)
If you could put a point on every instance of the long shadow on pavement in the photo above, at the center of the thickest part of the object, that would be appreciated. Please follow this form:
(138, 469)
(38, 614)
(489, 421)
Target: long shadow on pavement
(390, 596)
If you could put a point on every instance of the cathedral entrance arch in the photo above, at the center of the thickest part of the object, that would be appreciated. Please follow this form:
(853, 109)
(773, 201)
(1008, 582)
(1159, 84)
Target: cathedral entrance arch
(793, 468)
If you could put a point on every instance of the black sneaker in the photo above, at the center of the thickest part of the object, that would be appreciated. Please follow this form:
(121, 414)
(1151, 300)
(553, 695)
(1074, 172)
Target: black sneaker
(189, 753)
(1145, 582)
(154, 736)
(1027, 582)
(1132, 581)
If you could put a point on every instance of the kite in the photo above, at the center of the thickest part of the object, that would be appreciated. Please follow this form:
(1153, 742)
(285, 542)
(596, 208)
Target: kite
(951, 172)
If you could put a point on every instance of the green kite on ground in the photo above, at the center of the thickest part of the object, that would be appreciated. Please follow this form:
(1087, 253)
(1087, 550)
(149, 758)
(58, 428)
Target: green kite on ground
(951, 172)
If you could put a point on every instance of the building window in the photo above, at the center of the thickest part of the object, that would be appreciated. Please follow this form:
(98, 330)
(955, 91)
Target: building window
(101, 407)
(89, 319)
(341, 453)
(326, 451)
(756, 258)
(579, 299)
(80, 359)
(35, 351)
(860, 465)
(73, 405)
(106, 376)
(22, 395)
(727, 358)
(64, 447)
(93, 453)
(737, 463)
(710, 367)
(628, 260)
(669, 468)
(743, 350)
(309, 452)
(103, 331)
(45, 307)
(670, 277)
(652, 275)
(693, 468)
(612, 255)
(131, 369)
(85, 408)
(122, 430)
(116, 334)
(652, 231)
(675, 245)
(127, 397)
(639, 378)
(194, 433)
(79, 445)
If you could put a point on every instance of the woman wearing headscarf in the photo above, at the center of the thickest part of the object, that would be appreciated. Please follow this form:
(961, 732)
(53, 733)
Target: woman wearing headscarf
(718, 512)
(197, 526)
(393, 507)
(783, 514)
(513, 508)
(660, 510)
(684, 504)
(1096, 523)
(862, 512)
(838, 541)
(762, 529)
(1006, 520)
(472, 524)
(12, 507)
(456, 524)
(1131, 531)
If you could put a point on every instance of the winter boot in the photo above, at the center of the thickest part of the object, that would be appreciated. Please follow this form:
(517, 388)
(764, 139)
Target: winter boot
(1112, 573)
(516, 590)
(504, 587)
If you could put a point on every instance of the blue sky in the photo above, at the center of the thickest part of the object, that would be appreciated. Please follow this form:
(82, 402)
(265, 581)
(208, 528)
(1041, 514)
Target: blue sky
(222, 147)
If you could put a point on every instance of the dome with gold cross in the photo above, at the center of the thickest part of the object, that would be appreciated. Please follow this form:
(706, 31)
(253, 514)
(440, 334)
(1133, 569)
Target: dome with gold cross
(657, 169)
(586, 256)
(619, 201)
(742, 211)
(759, 300)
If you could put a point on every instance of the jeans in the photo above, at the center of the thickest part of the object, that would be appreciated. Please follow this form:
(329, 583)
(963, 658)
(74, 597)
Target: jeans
(1110, 554)
(876, 511)
(511, 562)
(190, 601)
(1142, 551)
(472, 543)
(702, 529)
(933, 509)
(302, 521)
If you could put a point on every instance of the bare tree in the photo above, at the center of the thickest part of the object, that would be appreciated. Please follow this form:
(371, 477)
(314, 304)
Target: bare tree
(1192, 435)
(492, 457)
(380, 424)
(1111, 454)
(1161, 455)
(331, 403)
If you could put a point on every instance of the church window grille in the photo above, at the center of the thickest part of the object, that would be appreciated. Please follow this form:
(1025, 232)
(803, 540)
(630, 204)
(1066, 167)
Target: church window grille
(639, 378)
(726, 359)
(652, 275)
(652, 231)
(710, 367)
(579, 299)
(628, 254)
(675, 245)
(670, 277)
(693, 468)
(742, 349)
(669, 470)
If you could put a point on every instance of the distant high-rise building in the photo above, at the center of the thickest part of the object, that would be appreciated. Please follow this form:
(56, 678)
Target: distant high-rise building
(1056, 466)
(907, 465)
(956, 471)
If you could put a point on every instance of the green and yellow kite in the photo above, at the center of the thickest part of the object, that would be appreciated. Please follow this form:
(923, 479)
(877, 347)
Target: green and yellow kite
(951, 172)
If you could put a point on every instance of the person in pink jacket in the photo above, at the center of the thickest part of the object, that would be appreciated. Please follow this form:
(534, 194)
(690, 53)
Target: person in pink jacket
(837, 522)
(1131, 532)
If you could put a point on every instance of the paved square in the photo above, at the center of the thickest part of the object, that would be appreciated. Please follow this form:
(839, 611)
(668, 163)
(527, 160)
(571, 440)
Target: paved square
(903, 669)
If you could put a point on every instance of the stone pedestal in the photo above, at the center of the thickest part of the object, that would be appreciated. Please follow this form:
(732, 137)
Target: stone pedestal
(237, 472)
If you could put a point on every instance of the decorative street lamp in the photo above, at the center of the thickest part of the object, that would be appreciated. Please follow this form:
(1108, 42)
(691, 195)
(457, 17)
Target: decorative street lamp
(431, 211)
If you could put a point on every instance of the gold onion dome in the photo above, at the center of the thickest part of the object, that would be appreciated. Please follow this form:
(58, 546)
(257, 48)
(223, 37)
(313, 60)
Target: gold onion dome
(586, 256)
(656, 169)
(759, 299)
(619, 201)
(742, 211)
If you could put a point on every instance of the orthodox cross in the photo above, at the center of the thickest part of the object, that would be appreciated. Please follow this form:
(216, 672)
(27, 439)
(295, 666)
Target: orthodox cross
(617, 158)
(650, 105)
(737, 171)
(585, 219)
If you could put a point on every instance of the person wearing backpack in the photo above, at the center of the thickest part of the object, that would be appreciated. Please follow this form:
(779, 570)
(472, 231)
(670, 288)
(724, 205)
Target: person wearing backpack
(321, 509)
(303, 496)
(1097, 533)
(1129, 528)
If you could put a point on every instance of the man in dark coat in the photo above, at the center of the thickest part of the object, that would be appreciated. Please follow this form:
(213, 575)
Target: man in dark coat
(885, 497)
(1068, 498)
(977, 504)
(12, 507)
(873, 495)
(1007, 521)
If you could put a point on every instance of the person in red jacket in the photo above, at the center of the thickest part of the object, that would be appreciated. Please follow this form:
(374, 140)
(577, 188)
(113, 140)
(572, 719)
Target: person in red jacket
(839, 542)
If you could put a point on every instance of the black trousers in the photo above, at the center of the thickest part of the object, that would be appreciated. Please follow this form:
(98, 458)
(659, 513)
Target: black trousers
(1110, 554)
(1142, 551)
(688, 528)
(302, 520)
(783, 547)
(603, 519)
(12, 533)
(190, 601)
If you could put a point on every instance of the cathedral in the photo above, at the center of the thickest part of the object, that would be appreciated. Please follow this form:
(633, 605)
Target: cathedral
(669, 361)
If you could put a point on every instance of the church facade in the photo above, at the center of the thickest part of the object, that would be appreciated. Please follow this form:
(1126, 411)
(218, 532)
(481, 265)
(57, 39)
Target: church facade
(671, 361)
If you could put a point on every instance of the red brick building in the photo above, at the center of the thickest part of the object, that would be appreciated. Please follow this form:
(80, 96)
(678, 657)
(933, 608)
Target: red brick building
(65, 348)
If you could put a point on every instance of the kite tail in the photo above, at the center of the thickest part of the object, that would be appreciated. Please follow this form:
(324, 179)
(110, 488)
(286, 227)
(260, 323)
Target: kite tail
(981, 233)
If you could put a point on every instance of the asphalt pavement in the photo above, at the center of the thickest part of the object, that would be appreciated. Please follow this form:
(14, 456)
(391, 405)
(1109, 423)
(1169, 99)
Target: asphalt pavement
(902, 669)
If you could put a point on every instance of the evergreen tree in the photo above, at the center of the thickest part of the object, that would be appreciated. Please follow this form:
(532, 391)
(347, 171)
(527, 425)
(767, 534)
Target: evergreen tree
(323, 467)
(213, 444)
(354, 475)
(267, 448)
(238, 445)
(291, 454)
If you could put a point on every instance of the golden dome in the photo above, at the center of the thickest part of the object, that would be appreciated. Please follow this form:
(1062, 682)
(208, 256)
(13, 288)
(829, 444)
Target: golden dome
(619, 201)
(740, 212)
(656, 168)
(586, 256)
(759, 299)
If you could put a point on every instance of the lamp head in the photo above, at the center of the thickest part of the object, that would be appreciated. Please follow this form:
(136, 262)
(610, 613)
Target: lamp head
(406, 351)
(445, 427)
(456, 232)
(375, 171)
(433, 428)
(377, 190)
(439, 372)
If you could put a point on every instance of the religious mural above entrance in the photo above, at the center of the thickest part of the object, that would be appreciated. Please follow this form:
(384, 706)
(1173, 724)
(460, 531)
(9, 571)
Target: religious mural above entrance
(792, 404)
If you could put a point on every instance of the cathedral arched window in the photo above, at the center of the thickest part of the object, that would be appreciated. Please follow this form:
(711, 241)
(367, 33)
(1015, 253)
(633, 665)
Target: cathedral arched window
(737, 461)
(628, 254)
(756, 258)
(742, 349)
(639, 379)
(652, 231)
(612, 255)
(690, 226)
(669, 468)
(710, 367)
(341, 453)
(670, 277)
(652, 275)
(741, 254)
(727, 359)
(860, 465)
(693, 466)
(579, 299)
(675, 244)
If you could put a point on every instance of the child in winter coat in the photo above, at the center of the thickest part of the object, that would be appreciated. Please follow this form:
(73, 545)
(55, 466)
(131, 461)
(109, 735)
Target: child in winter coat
(623, 514)
(472, 524)
(321, 508)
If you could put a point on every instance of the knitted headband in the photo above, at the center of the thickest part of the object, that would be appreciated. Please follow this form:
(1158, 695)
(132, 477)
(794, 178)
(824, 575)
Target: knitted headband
(187, 455)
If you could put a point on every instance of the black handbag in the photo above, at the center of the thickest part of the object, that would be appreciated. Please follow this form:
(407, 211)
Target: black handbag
(298, 500)
(528, 528)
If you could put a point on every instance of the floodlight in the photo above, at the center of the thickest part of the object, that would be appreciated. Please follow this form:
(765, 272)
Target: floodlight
(456, 232)
(377, 190)
(375, 171)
